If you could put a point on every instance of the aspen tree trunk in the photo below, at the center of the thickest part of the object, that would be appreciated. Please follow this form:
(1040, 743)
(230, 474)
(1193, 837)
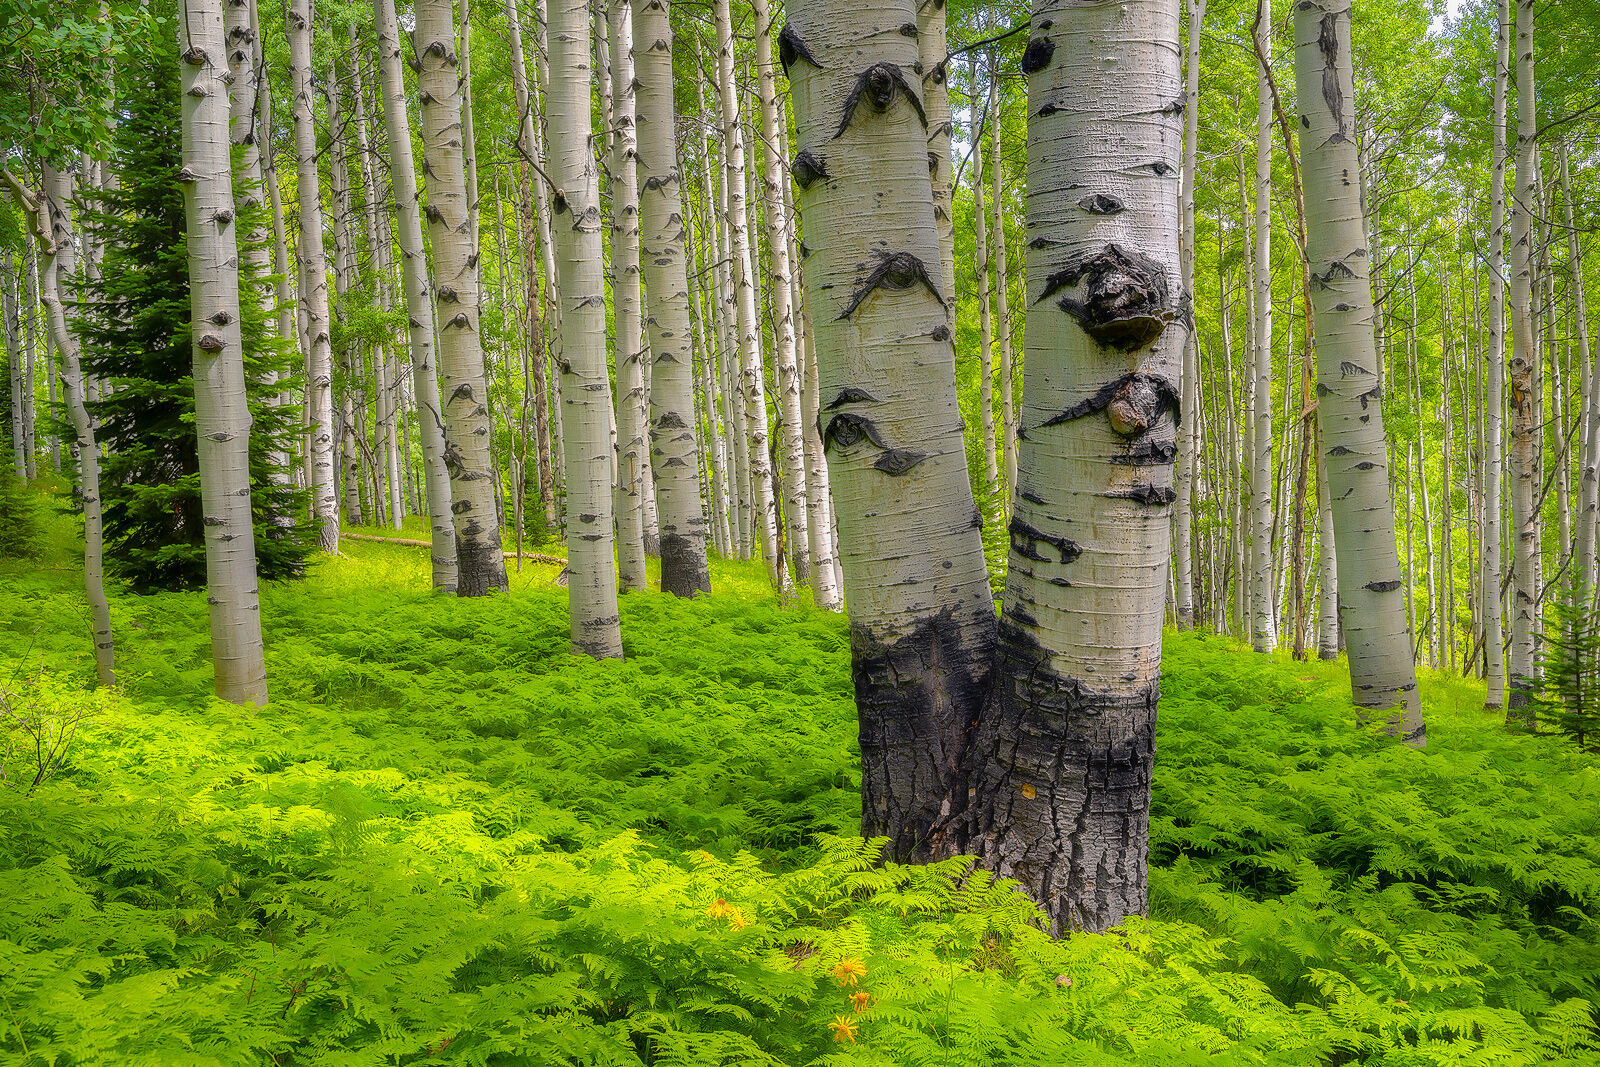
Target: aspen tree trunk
(921, 617)
(1002, 290)
(480, 561)
(980, 255)
(15, 361)
(244, 105)
(934, 49)
(700, 321)
(346, 276)
(1350, 409)
(1494, 375)
(585, 392)
(1264, 624)
(1327, 568)
(753, 387)
(1190, 387)
(222, 413)
(1589, 430)
(314, 288)
(281, 297)
(631, 398)
(51, 215)
(1525, 440)
(674, 445)
(1065, 748)
(791, 441)
(419, 309)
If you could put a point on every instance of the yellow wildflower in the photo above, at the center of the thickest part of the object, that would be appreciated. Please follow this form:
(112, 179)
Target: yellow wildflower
(736, 919)
(859, 1001)
(846, 971)
(720, 909)
(844, 1029)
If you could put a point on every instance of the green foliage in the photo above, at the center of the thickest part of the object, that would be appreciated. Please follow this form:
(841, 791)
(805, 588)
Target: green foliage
(19, 525)
(449, 841)
(1570, 660)
(136, 336)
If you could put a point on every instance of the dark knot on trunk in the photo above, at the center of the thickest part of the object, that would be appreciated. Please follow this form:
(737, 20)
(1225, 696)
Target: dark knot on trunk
(1124, 301)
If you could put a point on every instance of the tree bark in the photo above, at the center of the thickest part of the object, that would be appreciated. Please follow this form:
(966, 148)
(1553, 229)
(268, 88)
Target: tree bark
(1583, 572)
(1002, 291)
(585, 392)
(674, 444)
(1182, 521)
(419, 308)
(480, 559)
(222, 411)
(980, 255)
(1494, 373)
(1350, 410)
(1264, 623)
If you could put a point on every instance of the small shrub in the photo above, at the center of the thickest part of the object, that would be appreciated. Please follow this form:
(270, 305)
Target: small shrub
(19, 514)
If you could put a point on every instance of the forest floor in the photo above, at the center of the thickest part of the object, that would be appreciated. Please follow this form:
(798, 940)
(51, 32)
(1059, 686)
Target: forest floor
(448, 841)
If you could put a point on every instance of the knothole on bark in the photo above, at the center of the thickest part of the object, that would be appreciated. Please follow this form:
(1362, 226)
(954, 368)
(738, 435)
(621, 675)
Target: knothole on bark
(1125, 300)
(895, 271)
(1141, 398)
(807, 168)
(878, 85)
(1037, 55)
(792, 48)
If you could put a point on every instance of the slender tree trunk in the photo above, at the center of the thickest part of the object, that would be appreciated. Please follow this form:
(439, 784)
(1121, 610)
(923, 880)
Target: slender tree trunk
(222, 412)
(1494, 374)
(1350, 411)
(921, 617)
(1002, 290)
(980, 226)
(15, 361)
(1583, 575)
(419, 309)
(1187, 435)
(1264, 626)
(673, 440)
(480, 561)
(1327, 567)
(1525, 430)
(934, 53)
(314, 288)
(585, 393)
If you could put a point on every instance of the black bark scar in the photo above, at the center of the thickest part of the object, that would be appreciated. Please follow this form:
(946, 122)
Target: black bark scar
(1038, 53)
(850, 395)
(1026, 538)
(791, 48)
(847, 429)
(807, 168)
(1126, 301)
(897, 271)
(1328, 44)
(899, 461)
(877, 86)
(1137, 384)
(1145, 494)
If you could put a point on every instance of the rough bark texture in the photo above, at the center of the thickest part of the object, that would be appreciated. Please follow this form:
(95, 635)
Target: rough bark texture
(1494, 381)
(419, 309)
(222, 412)
(1525, 428)
(674, 447)
(1372, 608)
(586, 381)
(934, 51)
(921, 617)
(314, 284)
(480, 560)
(1064, 752)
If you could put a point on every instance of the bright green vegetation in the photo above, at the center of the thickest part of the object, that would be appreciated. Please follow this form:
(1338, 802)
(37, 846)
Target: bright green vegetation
(449, 841)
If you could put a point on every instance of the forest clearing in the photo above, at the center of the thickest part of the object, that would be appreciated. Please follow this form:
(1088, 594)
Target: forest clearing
(922, 532)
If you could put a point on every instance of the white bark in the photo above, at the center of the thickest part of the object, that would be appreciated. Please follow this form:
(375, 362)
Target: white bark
(1002, 290)
(980, 228)
(1583, 559)
(1264, 617)
(934, 51)
(1494, 380)
(222, 411)
(674, 447)
(586, 388)
(1350, 409)
(464, 390)
(1182, 562)
(314, 287)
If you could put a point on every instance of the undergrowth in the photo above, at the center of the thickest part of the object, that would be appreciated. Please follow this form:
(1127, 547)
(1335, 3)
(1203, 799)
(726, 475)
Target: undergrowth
(448, 841)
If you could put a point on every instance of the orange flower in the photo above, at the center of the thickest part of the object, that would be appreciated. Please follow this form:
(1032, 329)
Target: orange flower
(720, 909)
(846, 971)
(844, 1029)
(859, 1001)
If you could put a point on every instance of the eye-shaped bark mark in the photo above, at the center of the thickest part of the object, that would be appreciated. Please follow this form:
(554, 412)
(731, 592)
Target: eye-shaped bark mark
(878, 85)
(897, 272)
(1102, 204)
(850, 395)
(807, 168)
(848, 430)
(899, 461)
(1139, 398)
(1336, 269)
(1383, 587)
(1026, 539)
(908, 29)
(1346, 369)
(1148, 453)
(1338, 450)
(1328, 45)
(1162, 169)
(1126, 301)
(1371, 394)
(1153, 495)
(791, 48)
(1037, 55)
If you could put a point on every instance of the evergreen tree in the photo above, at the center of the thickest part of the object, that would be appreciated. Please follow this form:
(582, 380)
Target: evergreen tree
(1570, 659)
(18, 521)
(136, 340)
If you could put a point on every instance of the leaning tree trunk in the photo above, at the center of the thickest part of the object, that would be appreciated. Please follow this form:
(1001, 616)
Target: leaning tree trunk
(1190, 388)
(1525, 428)
(419, 309)
(1264, 620)
(480, 561)
(674, 446)
(221, 408)
(1494, 380)
(52, 220)
(1064, 751)
(1350, 411)
(921, 616)
(314, 290)
(586, 386)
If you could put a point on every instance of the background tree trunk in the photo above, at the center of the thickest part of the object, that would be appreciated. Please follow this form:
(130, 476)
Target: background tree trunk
(1494, 376)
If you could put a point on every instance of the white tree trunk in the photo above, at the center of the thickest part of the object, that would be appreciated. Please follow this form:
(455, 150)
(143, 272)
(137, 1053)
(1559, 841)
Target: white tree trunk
(1350, 410)
(1494, 380)
(1002, 290)
(675, 449)
(314, 284)
(1583, 559)
(222, 411)
(934, 53)
(1264, 622)
(586, 386)
(980, 256)
(1065, 748)
(1182, 562)
(921, 615)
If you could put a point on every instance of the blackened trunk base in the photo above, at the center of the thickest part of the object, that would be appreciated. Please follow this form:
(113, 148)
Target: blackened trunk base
(683, 565)
(480, 569)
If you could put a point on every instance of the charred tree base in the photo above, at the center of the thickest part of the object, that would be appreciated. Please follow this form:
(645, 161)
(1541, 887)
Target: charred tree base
(684, 571)
(481, 568)
(1060, 792)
